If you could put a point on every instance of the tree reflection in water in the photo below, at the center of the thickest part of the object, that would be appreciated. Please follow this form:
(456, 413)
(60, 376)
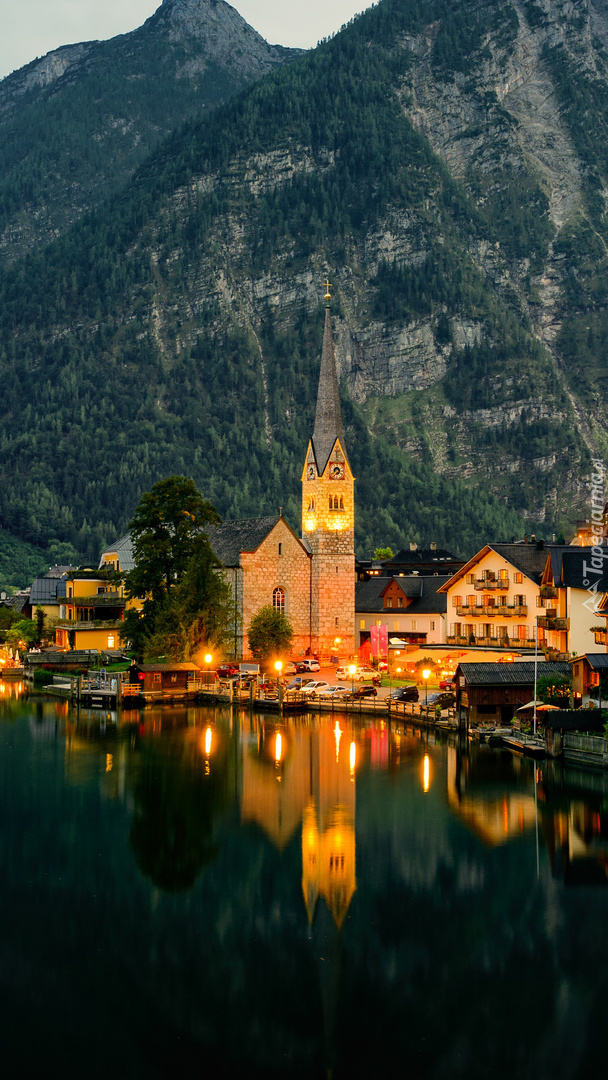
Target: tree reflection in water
(178, 799)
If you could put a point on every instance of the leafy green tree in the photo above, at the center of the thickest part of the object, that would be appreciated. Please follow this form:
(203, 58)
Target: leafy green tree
(270, 633)
(198, 615)
(554, 690)
(167, 529)
(186, 601)
(25, 631)
(383, 553)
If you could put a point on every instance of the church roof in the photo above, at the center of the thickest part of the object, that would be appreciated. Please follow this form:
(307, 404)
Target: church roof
(232, 537)
(328, 417)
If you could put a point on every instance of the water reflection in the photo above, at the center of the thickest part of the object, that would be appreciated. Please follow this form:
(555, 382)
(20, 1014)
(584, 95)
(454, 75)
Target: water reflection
(280, 897)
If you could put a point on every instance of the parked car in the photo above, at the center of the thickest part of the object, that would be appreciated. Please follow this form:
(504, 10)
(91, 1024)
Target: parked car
(308, 665)
(362, 692)
(312, 687)
(447, 684)
(289, 668)
(332, 692)
(405, 693)
(366, 674)
(226, 671)
(343, 673)
(445, 700)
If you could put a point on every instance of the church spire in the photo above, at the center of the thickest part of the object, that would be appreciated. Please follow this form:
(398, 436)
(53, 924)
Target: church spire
(328, 417)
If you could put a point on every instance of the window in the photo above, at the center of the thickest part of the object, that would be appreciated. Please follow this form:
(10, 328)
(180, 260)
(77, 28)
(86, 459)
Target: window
(456, 601)
(157, 676)
(432, 624)
(311, 504)
(278, 599)
(280, 549)
(414, 625)
(362, 624)
(522, 632)
(388, 601)
(110, 641)
(470, 579)
(400, 601)
(518, 578)
(395, 625)
(70, 591)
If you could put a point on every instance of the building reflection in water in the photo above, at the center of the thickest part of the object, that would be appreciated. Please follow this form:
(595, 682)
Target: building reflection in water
(501, 797)
(483, 791)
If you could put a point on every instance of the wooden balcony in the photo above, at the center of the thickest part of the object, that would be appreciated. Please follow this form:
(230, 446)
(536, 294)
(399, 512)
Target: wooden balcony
(474, 611)
(552, 622)
(601, 637)
(490, 584)
(548, 591)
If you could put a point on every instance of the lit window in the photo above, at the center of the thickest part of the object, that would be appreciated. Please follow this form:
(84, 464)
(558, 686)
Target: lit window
(110, 641)
(278, 599)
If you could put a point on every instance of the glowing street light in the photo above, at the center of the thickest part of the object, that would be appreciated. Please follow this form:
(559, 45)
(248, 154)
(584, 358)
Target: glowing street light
(352, 669)
(426, 674)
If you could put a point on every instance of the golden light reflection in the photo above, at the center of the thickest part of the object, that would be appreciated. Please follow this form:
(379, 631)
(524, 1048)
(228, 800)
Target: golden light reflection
(353, 759)
(338, 736)
(278, 749)
(208, 737)
(426, 773)
(109, 762)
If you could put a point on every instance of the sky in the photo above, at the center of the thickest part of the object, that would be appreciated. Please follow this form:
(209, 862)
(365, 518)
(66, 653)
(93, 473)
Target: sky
(31, 28)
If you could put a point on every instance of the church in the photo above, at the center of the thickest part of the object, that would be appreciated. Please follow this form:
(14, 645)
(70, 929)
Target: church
(310, 577)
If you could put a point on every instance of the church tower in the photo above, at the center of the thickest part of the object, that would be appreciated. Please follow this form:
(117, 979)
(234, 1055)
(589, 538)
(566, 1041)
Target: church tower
(328, 515)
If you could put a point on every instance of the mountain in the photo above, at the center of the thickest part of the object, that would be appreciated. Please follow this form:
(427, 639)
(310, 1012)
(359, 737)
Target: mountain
(445, 163)
(75, 124)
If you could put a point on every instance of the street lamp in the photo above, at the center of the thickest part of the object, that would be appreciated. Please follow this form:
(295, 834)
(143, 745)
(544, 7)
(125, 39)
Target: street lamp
(352, 668)
(208, 659)
(278, 668)
(426, 674)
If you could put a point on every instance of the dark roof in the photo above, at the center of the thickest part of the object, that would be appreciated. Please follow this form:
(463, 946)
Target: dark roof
(328, 416)
(529, 558)
(19, 601)
(47, 589)
(511, 674)
(421, 591)
(124, 550)
(168, 667)
(572, 573)
(232, 537)
(407, 557)
(75, 656)
(595, 660)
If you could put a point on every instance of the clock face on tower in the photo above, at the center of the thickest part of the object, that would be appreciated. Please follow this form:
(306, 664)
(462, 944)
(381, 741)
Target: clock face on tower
(336, 470)
(310, 472)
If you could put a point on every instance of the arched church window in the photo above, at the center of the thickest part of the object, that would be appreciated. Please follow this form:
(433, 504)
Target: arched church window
(278, 600)
(331, 502)
(341, 502)
(311, 503)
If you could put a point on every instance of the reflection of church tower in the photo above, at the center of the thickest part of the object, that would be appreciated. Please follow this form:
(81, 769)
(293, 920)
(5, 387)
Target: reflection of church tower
(328, 515)
(328, 827)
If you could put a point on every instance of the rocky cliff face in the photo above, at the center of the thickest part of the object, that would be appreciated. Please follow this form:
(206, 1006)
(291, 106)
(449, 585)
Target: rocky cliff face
(75, 124)
(444, 164)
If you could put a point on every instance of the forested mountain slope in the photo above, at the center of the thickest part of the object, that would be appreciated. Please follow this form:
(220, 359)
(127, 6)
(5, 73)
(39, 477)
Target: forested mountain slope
(75, 124)
(444, 162)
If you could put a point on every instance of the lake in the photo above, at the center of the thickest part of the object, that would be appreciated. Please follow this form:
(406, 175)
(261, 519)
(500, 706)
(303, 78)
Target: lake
(193, 890)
